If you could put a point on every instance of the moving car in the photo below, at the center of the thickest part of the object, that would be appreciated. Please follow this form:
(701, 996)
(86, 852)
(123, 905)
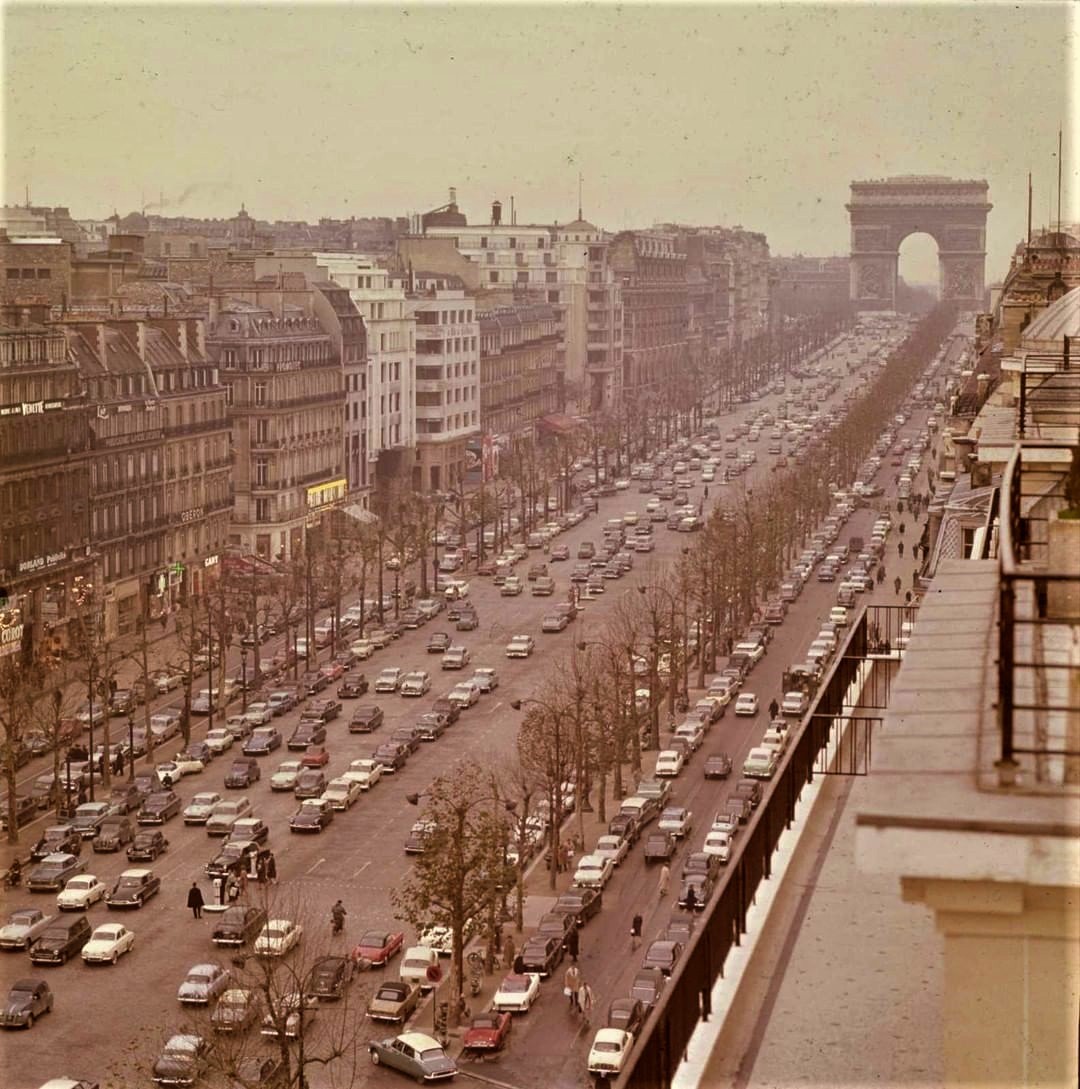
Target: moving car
(593, 871)
(277, 937)
(133, 888)
(314, 815)
(239, 924)
(414, 1054)
(108, 943)
(80, 893)
(794, 703)
(27, 1000)
(198, 810)
(182, 1060)
(541, 955)
(202, 984)
(487, 1032)
(760, 763)
(53, 871)
(24, 927)
(746, 704)
(717, 766)
(520, 646)
(676, 819)
(147, 845)
(669, 763)
(63, 938)
(378, 947)
(329, 978)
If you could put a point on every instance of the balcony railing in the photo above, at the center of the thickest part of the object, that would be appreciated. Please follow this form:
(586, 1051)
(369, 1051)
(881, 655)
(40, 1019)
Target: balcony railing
(1039, 622)
(1049, 397)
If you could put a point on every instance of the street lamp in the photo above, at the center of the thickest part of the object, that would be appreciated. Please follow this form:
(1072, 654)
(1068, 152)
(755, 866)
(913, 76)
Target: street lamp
(131, 746)
(243, 679)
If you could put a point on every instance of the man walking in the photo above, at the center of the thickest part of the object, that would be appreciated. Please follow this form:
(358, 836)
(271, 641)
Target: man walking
(571, 983)
(774, 708)
(585, 1000)
(271, 869)
(195, 900)
(572, 943)
(635, 932)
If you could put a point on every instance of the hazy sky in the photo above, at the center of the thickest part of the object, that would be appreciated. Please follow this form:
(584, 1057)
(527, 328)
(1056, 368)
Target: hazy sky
(758, 115)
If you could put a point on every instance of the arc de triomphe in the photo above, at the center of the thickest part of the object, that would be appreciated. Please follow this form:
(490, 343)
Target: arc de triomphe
(884, 212)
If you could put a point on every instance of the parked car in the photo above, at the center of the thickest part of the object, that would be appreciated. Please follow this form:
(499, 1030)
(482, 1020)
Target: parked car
(395, 1000)
(414, 1054)
(26, 1001)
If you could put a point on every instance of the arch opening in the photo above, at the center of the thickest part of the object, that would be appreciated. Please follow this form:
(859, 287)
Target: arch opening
(918, 273)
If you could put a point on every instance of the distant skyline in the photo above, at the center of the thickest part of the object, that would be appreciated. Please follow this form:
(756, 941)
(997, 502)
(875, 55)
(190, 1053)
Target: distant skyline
(758, 116)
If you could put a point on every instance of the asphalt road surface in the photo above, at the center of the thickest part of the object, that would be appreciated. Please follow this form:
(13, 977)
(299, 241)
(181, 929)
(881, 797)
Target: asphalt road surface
(360, 856)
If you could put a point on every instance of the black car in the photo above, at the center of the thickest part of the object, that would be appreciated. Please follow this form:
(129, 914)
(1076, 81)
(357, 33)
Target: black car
(329, 977)
(391, 756)
(738, 808)
(262, 741)
(542, 955)
(467, 620)
(63, 939)
(308, 732)
(448, 708)
(626, 826)
(701, 862)
(627, 1014)
(365, 719)
(53, 871)
(321, 710)
(580, 903)
(663, 954)
(718, 766)
(126, 797)
(310, 783)
(132, 889)
(27, 1000)
(159, 807)
(352, 686)
(680, 928)
(311, 817)
(438, 642)
(237, 855)
(659, 847)
(409, 736)
(239, 924)
(147, 845)
(182, 1060)
(312, 683)
(431, 725)
(647, 987)
(555, 925)
(698, 884)
(750, 789)
(60, 839)
(242, 773)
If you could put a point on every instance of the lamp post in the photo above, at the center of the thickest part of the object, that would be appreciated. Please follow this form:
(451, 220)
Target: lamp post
(131, 746)
(243, 679)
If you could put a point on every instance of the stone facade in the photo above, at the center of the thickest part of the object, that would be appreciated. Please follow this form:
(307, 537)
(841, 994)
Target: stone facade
(36, 273)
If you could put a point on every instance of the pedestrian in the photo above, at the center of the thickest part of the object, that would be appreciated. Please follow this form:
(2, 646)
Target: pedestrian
(706, 491)
(774, 708)
(260, 868)
(585, 1000)
(665, 877)
(691, 898)
(271, 868)
(901, 529)
(573, 943)
(896, 585)
(233, 890)
(519, 965)
(241, 882)
(509, 952)
(219, 888)
(571, 983)
(195, 900)
(907, 598)
(118, 763)
(635, 932)
(900, 548)
(164, 621)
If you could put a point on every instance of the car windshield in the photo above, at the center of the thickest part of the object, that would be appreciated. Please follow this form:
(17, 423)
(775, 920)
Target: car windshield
(431, 1053)
(515, 984)
(389, 991)
(607, 1045)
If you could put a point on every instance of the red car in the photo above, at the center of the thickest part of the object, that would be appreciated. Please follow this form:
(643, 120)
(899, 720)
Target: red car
(378, 947)
(488, 1031)
(315, 757)
(333, 670)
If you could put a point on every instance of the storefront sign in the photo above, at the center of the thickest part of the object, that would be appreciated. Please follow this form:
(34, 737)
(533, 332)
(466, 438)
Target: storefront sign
(11, 639)
(210, 561)
(192, 515)
(319, 495)
(40, 562)
(31, 408)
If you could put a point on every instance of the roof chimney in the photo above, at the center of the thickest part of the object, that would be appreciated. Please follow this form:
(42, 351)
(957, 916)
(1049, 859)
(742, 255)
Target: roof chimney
(103, 357)
(496, 213)
(140, 339)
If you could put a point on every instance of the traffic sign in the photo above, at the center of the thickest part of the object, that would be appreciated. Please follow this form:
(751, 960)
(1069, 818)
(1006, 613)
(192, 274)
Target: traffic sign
(434, 973)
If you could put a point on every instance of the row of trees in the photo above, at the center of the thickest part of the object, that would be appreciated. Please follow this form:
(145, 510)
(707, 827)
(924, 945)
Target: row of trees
(599, 705)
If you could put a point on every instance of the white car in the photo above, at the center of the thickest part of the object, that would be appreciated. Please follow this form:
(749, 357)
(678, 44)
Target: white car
(225, 814)
(676, 819)
(718, 843)
(415, 964)
(693, 733)
(746, 704)
(165, 681)
(363, 649)
(187, 764)
(285, 776)
(219, 740)
(486, 679)
(520, 646)
(517, 993)
(611, 847)
(608, 1053)
(277, 937)
(669, 763)
(414, 684)
(341, 793)
(365, 773)
(794, 703)
(760, 763)
(108, 944)
(198, 810)
(775, 739)
(389, 680)
(593, 871)
(464, 694)
(25, 926)
(81, 891)
(259, 714)
(203, 983)
(726, 823)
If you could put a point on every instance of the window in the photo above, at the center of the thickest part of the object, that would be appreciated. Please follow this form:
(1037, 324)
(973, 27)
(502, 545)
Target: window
(553, 296)
(260, 393)
(262, 472)
(513, 243)
(44, 273)
(483, 242)
(551, 277)
(14, 273)
(262, 510)
(523, 276)
(540, 243)
(262, 431)
(493, 277)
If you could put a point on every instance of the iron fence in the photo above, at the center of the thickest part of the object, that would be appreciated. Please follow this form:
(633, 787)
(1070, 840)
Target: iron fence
(816, 748)
(1039, 619)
